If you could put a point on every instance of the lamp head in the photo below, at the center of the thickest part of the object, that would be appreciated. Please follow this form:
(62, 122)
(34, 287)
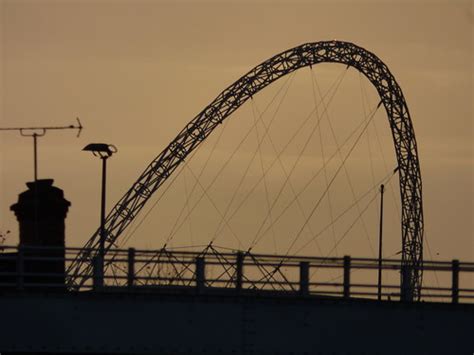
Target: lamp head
(101, 150)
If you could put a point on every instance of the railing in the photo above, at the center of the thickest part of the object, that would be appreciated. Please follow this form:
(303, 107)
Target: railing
(211, 270)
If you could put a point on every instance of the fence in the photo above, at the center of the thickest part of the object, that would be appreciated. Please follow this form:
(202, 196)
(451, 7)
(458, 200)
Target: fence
(211, 270)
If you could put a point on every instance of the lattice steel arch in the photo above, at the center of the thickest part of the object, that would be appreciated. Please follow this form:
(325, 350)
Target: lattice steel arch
(159, 170)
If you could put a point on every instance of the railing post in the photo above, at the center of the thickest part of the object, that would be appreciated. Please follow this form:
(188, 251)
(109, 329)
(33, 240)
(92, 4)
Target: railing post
(20, 268)
(455, 281)
(347, 276)
(406, 291)
(304, 278)
(97, 272)
(200, 274)
(239, 270)
(131, 267)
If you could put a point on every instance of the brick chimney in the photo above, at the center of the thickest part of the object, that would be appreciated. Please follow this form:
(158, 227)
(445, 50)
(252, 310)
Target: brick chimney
(41, 211)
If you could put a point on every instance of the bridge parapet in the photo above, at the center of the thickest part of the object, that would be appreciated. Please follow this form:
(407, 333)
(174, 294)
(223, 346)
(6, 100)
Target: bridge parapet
(212, 270)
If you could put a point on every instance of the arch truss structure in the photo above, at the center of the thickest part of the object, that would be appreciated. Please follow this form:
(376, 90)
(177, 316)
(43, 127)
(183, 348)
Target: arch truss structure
(201, 126)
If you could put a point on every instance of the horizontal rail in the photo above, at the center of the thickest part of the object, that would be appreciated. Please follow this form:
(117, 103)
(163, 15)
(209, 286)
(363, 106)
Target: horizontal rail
(44, 267)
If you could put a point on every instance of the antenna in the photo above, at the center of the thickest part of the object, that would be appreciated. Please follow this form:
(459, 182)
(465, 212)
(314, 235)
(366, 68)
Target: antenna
(36, 132)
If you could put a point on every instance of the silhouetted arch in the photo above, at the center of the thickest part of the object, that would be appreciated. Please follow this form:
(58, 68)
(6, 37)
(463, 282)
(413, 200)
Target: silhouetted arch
(237, 94)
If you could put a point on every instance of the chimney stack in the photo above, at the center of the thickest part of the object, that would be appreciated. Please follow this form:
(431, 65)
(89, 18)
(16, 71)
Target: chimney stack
(41, 211)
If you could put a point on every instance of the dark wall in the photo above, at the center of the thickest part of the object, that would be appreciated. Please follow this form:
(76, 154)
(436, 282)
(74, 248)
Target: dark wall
(204, 324)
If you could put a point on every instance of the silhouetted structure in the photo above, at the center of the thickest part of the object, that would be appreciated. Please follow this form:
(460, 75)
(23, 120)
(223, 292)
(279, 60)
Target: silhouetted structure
(41, 211)
(203, 124)
(184, 302)
(37, 132)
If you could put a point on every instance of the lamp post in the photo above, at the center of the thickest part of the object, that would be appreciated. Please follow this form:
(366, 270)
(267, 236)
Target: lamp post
(379, 288)
(103, 151)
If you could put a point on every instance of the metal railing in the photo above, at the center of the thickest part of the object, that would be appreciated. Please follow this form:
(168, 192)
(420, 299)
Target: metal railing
(211, 270)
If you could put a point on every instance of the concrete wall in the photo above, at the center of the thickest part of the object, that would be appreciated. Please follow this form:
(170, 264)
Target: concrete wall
(228, 324)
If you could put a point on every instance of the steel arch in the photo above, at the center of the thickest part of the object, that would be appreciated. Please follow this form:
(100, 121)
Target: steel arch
(237, 94)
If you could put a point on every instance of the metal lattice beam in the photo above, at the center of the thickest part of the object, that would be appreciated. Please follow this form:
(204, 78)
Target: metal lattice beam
(196, 131)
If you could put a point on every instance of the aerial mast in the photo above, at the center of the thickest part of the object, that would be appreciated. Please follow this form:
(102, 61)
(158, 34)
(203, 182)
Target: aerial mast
(36, 132)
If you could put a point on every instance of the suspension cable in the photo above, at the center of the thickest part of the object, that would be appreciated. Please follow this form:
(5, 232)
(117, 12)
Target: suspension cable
(286, 85)
(173, 228)
(205, 192)
(375, 187)
(316, 105)
(290, 184)
(263, 172)
(247, 169)
(359, 217)
(310, 181)
(132, 232)
(177, 227)
(331, 181)
(187, 196)
(257, 235)
(369, 148)
(129, 235)
(321, 147)
(308, 117)
(380, 147)
(346, 172)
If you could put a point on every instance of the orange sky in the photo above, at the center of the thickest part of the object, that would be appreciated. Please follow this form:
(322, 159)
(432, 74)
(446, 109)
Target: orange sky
(136, 72)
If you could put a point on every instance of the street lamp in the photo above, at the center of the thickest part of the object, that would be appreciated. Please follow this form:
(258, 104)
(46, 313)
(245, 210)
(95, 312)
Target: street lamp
(379, 288)
(103, 151)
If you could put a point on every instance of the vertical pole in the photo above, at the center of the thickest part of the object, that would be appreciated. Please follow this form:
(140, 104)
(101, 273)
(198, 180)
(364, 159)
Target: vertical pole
(239, 270)
(379, 290)
(102, 214)
(131, 267)
(35, 168)
(406, 292)
(304, 277)
(97, 273)
(347, 276)
(200, 274)
(35, 156)
(455, 281)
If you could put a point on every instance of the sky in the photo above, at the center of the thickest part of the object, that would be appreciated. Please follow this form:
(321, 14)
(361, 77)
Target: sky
(136, 72)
